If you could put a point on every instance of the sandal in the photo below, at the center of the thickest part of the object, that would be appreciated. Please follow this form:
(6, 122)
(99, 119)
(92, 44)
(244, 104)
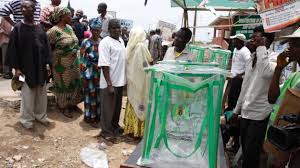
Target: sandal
(108, 138)
(94, 124)
(67, 113)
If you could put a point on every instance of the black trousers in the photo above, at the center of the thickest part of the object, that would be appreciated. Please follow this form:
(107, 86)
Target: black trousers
(234, 93)
(111, 105)
(252, 137)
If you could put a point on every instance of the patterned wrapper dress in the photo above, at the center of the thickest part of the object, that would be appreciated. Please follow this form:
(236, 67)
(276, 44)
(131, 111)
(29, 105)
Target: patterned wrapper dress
(66, 74)
(90, 75)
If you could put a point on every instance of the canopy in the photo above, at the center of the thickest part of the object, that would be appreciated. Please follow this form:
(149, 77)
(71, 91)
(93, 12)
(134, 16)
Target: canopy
(223, 4)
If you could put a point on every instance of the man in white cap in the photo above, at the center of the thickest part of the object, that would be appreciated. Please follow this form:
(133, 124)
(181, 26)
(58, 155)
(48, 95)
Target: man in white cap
(241, 55)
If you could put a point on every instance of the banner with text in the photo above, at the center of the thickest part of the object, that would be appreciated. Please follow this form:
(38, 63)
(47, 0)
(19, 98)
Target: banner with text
(281, 16)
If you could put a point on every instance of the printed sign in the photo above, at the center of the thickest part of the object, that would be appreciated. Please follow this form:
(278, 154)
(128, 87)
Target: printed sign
(281, 16)
(247, 30)
(126, 23)
(271, 4)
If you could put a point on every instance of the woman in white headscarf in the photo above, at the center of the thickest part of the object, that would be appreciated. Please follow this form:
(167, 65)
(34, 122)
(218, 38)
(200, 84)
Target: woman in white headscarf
(138, 57)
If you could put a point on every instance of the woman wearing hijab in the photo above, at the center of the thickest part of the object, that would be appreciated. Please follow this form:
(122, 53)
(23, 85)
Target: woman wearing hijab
(64, 42)
(138, 57)
(90, 74)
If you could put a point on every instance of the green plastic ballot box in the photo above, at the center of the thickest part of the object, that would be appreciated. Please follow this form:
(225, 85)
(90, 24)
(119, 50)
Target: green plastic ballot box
(182, 122)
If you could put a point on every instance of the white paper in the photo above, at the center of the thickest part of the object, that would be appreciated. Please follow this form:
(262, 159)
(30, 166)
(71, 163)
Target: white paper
(22, 78)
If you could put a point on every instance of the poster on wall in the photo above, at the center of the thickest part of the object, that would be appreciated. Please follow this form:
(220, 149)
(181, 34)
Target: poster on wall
(279, 17)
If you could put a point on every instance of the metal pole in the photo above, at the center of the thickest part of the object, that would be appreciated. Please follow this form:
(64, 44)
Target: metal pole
(186, 15)
(194, 29)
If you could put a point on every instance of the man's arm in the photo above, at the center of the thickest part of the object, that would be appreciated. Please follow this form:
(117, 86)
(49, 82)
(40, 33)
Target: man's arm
(104, 63)
(6, 11)
(12, 56)
(106, 74)
(8, 19)
(274, 90)
(105, 70)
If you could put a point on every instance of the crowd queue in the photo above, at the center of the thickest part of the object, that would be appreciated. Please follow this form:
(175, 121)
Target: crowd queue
(93, 60)
(81, 60)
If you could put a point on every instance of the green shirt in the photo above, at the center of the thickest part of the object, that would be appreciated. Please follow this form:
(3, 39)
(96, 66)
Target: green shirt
(292, 82)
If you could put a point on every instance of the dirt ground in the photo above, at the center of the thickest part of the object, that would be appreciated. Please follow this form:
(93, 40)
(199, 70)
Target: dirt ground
(57, 146)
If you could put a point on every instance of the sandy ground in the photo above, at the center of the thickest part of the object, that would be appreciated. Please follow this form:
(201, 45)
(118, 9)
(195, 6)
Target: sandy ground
(57, 146)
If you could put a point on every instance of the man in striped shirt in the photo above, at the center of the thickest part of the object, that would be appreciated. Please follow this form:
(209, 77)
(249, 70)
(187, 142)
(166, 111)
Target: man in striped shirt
(14, 8)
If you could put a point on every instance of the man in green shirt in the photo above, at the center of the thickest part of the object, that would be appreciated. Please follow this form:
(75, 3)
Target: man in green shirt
(292, 54)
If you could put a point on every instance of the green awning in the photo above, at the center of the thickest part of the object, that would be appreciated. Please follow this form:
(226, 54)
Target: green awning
(230, 4)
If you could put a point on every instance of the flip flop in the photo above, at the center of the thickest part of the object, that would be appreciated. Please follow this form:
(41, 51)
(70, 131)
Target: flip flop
(67, 114)
(109, 138)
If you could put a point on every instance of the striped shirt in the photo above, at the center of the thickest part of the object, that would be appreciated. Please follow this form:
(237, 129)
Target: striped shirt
(14, 8)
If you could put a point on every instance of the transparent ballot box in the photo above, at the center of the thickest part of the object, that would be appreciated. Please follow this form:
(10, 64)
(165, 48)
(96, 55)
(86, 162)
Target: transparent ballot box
(210, 55)
(182, 123)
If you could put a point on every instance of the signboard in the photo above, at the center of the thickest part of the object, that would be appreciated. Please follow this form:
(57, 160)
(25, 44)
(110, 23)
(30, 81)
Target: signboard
(112, 13)
(126, 23)
(281, 16)
(268, 5)
(247, 30)
(167, 29)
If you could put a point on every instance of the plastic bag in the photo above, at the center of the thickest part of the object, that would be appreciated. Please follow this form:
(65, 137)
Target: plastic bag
(93, 156)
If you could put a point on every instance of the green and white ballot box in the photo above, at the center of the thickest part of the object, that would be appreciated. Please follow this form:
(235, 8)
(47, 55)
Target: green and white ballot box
(182, 123)
(210, 55)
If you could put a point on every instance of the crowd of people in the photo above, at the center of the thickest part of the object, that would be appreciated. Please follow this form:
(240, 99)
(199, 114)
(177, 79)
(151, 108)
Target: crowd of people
(93, 60)
(90, 61)
(255, 88)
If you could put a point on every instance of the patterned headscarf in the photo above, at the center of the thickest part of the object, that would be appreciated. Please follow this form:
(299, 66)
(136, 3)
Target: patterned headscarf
(95, 23)
(58, 13)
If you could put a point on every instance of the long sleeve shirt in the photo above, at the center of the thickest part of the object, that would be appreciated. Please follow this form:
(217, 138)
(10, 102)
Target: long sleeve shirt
(253, 100)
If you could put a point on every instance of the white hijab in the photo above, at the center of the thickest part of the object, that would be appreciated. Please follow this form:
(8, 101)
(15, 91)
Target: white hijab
(138, 57)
